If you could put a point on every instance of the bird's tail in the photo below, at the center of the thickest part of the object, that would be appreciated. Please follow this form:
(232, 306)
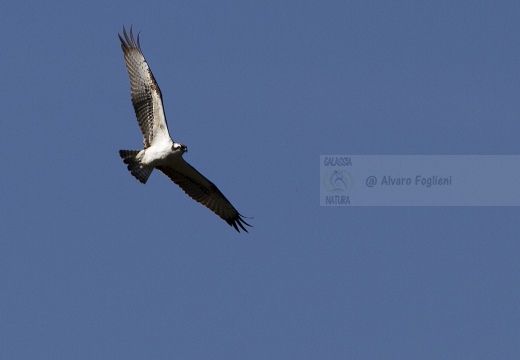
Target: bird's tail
(141, 172)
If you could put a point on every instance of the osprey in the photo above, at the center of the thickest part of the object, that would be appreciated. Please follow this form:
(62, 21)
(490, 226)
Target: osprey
(160, 151)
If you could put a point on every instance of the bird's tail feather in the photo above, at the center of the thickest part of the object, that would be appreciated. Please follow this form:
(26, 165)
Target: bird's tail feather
(141, 172)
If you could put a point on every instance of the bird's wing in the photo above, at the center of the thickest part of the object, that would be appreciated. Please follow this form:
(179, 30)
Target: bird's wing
(204, 191)
(146, 95)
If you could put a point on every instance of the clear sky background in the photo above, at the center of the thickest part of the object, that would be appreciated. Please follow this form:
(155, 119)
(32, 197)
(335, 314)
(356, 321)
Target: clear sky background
(94, 265)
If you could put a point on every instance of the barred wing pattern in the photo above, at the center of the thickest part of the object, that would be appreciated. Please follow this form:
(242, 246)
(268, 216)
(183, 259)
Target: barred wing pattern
(146, 95)
(200, 189)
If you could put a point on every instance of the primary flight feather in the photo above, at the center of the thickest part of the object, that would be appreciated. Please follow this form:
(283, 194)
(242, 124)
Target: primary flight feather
(160, 151)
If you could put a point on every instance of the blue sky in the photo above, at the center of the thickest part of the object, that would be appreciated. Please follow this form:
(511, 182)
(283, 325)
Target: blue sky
(95, 265)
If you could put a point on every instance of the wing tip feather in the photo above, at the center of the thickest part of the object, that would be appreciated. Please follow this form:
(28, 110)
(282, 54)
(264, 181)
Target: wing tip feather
(129, 41)
(239, 220)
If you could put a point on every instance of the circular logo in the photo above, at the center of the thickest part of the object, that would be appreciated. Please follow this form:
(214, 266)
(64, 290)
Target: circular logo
(337, 181)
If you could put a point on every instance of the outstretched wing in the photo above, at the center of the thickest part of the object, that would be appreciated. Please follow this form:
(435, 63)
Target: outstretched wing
(146, 95)
(205, 192)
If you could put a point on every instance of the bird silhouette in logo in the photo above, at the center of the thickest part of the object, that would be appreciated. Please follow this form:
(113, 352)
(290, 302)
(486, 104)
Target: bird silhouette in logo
(338, 181)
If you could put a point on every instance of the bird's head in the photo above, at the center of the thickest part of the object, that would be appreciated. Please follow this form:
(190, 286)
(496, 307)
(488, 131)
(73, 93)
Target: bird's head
(179, 147)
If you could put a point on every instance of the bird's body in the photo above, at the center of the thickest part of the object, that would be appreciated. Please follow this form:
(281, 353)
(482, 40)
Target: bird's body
(160, 151)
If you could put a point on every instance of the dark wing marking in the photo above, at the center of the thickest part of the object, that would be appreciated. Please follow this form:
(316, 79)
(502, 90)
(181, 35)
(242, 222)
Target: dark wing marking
(146, 95)
(205, 192)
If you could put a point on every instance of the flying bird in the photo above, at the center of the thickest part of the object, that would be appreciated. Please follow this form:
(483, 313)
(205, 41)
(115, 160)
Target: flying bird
(160, 151)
